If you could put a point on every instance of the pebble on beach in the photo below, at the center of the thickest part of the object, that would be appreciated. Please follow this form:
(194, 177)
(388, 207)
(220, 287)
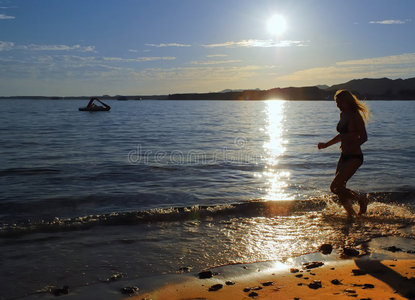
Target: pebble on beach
(268, 283)
(316, 284)
(129, 290)
(229, 282)
(253, 294)
(205, 274)
(313, 264)
(215, 287)
(294, 270)
(336, 282)
(326, 249)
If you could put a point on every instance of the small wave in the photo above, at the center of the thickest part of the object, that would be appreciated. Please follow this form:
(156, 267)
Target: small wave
(28, 171)
(247, 209)
(384, 211)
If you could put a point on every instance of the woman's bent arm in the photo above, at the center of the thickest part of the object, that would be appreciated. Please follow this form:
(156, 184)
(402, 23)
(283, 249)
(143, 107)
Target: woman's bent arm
(333, 141)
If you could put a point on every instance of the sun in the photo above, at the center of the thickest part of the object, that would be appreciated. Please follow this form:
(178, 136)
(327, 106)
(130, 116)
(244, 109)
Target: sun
(276, 25)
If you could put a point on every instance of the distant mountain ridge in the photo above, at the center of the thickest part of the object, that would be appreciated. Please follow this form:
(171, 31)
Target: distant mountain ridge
(366, 88)
(383, 88)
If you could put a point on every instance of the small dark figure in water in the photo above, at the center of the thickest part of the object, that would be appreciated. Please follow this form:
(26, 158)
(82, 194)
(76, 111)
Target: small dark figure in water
(91, 103)
(352, 134)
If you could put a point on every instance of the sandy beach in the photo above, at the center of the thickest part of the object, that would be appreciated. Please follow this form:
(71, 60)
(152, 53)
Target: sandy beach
(311, 276)
(358, 278)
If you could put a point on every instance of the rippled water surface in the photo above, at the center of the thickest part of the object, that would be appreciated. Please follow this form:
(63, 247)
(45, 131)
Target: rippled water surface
(153, 186)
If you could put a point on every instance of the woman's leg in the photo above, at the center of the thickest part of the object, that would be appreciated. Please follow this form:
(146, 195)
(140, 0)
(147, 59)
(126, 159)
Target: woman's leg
(345, 170)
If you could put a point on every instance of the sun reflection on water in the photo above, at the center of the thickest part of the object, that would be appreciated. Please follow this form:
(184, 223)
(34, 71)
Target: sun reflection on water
(274, 148)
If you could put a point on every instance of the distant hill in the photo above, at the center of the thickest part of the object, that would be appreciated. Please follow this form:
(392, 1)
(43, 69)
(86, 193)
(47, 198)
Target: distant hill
(382, 89)
(369, 89)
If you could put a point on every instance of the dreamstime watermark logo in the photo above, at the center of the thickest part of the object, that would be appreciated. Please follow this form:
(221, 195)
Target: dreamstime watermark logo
(237, 153)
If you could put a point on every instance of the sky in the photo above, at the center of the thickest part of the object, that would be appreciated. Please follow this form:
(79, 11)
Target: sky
(158, 47)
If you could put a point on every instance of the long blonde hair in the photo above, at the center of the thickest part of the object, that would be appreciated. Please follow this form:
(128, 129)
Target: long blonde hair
(354, 103)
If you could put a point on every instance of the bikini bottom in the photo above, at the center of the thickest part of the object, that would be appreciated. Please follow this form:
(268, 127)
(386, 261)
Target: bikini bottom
(346, 157)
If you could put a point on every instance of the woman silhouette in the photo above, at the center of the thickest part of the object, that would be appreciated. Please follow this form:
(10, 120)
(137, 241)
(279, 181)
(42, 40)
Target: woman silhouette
(352, 134)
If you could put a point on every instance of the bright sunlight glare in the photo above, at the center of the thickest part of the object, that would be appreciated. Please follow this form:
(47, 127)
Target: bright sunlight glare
(276, 25)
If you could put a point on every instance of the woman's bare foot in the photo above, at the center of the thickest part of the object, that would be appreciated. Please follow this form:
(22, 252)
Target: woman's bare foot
(347, 204)
(363, 202)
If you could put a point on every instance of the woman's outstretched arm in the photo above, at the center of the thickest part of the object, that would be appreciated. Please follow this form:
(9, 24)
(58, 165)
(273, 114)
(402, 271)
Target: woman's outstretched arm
(333, 141)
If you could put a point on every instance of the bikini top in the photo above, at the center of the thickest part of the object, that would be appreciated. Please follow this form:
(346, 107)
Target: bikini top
(342, 126)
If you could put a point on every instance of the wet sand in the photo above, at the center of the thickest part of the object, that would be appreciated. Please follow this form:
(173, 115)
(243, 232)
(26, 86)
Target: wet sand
(360, 278)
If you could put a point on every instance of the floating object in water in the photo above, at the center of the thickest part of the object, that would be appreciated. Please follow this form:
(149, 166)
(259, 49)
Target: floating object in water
(92, 107)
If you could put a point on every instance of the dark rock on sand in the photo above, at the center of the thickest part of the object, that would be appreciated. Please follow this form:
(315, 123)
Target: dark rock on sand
(129, 290)
(205, 274)
(393, 249)
(336, 282)
(268, 283)
(62, 291)
(313, 264)
(326, 249)
(350, 252)
(253, 294)
(215, 287)
(294, 270)
(246, 290)
(350, 291)
(316, 284)
(358, 272)
(365, 286)
(229, 282)
(299, 275)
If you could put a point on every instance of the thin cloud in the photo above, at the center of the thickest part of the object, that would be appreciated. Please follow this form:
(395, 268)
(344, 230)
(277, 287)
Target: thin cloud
(255, 43)
(215, 62)
(406, 58)
(168, 45)
(137, 51)
(34, 47)
(216, 55)
(138, 59)
(201, 73)
(388, 22)
(394, 66)
(6, 17)
(6, 46)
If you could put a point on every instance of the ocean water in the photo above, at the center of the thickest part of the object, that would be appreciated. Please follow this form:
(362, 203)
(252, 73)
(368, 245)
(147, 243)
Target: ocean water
(151, 187)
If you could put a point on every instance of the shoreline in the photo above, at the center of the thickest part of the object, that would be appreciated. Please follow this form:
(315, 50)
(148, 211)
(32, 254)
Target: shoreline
(384, 270)
(379, 273)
